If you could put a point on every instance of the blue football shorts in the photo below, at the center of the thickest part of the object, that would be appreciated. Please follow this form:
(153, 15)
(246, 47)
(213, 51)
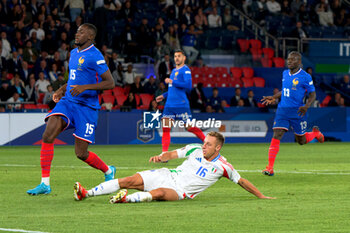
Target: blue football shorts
(286, 117)
(177, 113)
(78, 116)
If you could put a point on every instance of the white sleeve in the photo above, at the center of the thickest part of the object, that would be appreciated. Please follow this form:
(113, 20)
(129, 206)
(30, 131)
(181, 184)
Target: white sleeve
(184, 152)
(230, 173)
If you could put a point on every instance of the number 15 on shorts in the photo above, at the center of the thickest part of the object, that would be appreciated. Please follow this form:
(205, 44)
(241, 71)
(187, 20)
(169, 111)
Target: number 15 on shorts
(89, 129)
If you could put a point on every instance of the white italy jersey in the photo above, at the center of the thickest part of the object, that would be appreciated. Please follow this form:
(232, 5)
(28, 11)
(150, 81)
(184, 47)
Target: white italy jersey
(196, 173)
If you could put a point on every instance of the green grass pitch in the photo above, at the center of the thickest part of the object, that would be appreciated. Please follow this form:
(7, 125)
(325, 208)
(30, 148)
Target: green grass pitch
(311, 183)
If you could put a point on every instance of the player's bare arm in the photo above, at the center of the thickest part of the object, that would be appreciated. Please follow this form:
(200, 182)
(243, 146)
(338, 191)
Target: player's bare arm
(303, 109)
(168, 80)
(159, 98)
(106, 83)
(270, 99)
(163, 157)
(244, 183)
(59, 93)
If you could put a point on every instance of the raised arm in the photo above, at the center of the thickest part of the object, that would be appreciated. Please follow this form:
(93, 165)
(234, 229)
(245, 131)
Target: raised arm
(252, 189)
(270, 99)
(164, 157)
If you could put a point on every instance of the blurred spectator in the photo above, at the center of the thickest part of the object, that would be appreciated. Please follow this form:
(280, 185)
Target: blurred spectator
(161, 89)
(150, 87)
(198, 99)
(240, 103)
(336, 101)
(59, 82)
(118, 76)
(215, 100)
(42, 68)
(273, 7)
(285, 8)
(53, 74)
(175, 11)
(18, 40)
(224, 105)
(228, 20)
(157, 32)
(214, 20)
(137, 87)
(24, 72)
(250, 101)
(153, 106)
(309, 70)
(49, 44)
(18, 85)
(2, 108)
(113, 62)
(48, 95)
(165, 68)
(188, 43)
(172, 39)
(298, 31)
(187, 18)
(14, 99)
(295, 6)
(129, 75)
(63, 51)
(201, 21)
(159, 51)
(325, 14)
(6, 46)
(100, 20)
(76, 8)
(144, 36)
(30, 54)
(32, 90)
(275, 104)
(129, 43)
(127, 12)
(57, 61)
(212, 5)
(236, 97)
(259, 11)
(6, 91)
(42, 83)
(303, 16)
(209, 109)
(36, 43)
(345, 84)
(130, 101)
(14, 63)
(341, 18)
(40, 33)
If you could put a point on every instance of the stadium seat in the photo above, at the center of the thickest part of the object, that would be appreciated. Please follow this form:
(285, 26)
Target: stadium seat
(236, 72)
(259, 82)
(120, 99)
(108, 99)
(220, 69)
(247, 82)
(255, 44)
(42, 106)
(235, 82)
(146, 100)
(30, 106)
(278, 62)
(266, 62)
(256, 53)
(107, 92)
(118, 91)
(41, 98)
(243, 45)
(326, 101)
(248, 72)
(138, 100)
(268, 52)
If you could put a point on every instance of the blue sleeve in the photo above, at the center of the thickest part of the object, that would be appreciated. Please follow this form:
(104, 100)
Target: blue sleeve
(98, 63)
(165, 94)
(309, 84)
(186, 84)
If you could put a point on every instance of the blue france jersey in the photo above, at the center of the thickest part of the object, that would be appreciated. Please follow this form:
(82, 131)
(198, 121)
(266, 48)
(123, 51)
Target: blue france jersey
(182, 83)
(294, 87)
(85, 67)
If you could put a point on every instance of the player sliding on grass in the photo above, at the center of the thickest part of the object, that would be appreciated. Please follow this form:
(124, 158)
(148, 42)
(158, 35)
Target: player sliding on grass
(77, 106)
(202, 168)
(291, 111)
(177, 105)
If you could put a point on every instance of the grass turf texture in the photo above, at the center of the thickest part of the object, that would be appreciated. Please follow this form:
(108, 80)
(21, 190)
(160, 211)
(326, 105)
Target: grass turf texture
(312, 192)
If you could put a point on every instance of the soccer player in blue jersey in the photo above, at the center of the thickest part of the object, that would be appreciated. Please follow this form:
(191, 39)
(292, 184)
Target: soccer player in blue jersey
(177, 105)
(291, 111)
(77, 107)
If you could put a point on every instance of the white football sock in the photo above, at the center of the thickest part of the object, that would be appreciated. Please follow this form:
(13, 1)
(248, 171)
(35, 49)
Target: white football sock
(104, 188)
(139, 197)
(45, 180)
(109, 171)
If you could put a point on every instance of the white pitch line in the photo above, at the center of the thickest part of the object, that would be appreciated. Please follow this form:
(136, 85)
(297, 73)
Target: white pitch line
(312, 172)
(20, 230)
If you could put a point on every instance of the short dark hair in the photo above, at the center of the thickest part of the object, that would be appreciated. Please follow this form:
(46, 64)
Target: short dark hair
(91, 27)
(219, 137)
(180, 51)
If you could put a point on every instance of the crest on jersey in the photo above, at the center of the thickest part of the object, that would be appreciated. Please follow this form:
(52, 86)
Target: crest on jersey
(80, 63)
(176, 73)
(295, 83)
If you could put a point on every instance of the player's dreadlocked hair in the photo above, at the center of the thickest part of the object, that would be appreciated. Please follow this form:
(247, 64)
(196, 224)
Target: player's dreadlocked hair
(91, 27)
(219, 137)
(295, 53)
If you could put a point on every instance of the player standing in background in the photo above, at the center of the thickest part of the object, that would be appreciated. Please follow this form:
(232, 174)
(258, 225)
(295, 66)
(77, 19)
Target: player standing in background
(203, 167)
(291, 111)
(77, 107)
(177, 105)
